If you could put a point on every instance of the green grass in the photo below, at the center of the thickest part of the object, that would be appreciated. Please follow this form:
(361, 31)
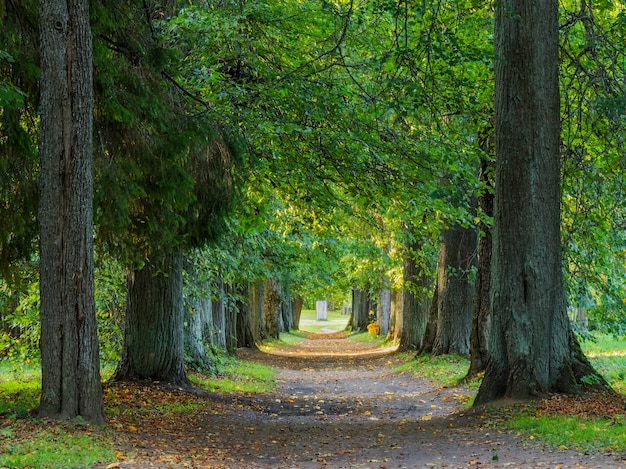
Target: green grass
(335, 321)
(444, 370)
(572, 432)
(368, 338)
(608, 356)
(52, 446)
(238, 377)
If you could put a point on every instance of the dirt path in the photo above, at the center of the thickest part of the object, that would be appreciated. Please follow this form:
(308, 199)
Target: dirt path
(338, 405)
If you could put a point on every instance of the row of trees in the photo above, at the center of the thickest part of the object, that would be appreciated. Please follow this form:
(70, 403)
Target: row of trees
(304, 147)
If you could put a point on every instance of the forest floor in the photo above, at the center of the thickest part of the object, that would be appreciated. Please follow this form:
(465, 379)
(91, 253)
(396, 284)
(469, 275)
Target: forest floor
(340, 405)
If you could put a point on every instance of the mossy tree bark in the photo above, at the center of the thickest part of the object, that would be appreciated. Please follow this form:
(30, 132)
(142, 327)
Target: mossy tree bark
(154, 335)
(532, 349)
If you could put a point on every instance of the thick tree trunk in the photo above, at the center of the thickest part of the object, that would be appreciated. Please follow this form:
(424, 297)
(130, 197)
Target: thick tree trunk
(271, 307)
(231, 320)
(245, 338)
(218, 333)
(481, 309)
(431, 324)
(532, 349)
(456, 290)
(197, 328)
(395, 324)
(297, 305)
(286, 309)
(416, 301)
(70, 361)
(257, 313)
(360, 310)
(154, 337)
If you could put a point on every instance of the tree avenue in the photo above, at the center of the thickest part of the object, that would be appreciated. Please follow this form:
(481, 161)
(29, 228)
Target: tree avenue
(252, 155)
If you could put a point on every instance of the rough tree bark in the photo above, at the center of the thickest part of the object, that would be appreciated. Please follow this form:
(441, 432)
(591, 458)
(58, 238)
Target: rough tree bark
(454, 297)
(416, 300)
(297, 304)
(154, 336)
(271, 307)
(70, 363)
(360, 310)
(245, 337)
(532, 349)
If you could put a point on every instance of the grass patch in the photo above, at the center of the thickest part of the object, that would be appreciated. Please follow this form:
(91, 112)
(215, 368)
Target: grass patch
(573, 432)
(53, 445)
(608, 355)
(368, 338)
(443, 370)
(335, 321)
(238, 377)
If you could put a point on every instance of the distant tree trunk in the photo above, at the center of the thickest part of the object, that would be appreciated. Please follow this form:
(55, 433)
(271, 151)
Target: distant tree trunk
(480, 315)
(231, 320)
(456, 291)
(271, 307)
(532, 349)
(383, 311)
(257, 313)
(360, 310)
(218, 333)
(245, 337)
(416, 300)
(198, 325)
(297, 304)
(70, 363)
(286, 310)
(395, 325)
(154, 337)
(431, 324)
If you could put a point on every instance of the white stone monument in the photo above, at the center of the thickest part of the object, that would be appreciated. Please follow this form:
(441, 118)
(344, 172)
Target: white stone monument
(320, 309)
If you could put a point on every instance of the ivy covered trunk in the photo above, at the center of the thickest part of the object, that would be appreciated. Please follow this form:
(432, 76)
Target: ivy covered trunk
(153, 337)
(532, 349)
(70, 363)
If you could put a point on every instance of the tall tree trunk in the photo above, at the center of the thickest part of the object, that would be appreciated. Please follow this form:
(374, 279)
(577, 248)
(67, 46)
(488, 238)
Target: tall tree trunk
(431, 324)
(198, 325)
(231, 319)
(395, 324)
(271, 307)
(154, 337)
(360, 310)
(286, 309)
(456, 290)
(481, 310)
(245, 337)
(70, 363)
(297, 304)
(416, 300)
(257, 313)
(218, 333)
(532, 349)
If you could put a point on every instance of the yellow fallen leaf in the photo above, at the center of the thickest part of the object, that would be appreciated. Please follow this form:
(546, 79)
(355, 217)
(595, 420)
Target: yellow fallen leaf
(132, 428)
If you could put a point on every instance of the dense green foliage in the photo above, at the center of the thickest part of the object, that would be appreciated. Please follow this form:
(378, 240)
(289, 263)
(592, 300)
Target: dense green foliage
(335, 126)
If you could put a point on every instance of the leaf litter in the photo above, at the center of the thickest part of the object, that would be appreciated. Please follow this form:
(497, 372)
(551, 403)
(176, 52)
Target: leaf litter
(332, 409)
